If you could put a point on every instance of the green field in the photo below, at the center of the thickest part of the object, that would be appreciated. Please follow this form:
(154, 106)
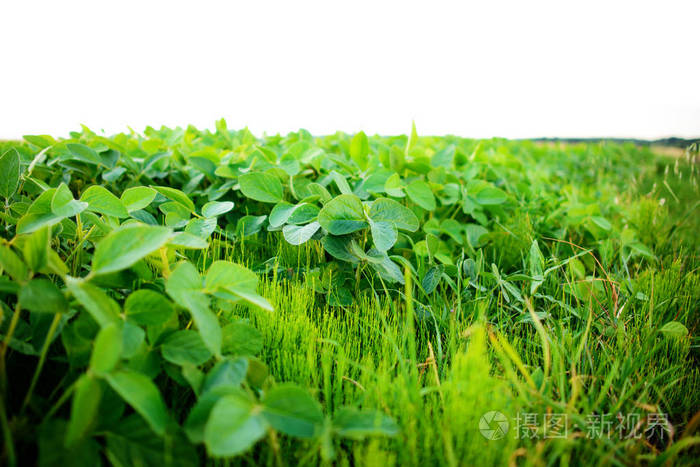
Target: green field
(184, 297)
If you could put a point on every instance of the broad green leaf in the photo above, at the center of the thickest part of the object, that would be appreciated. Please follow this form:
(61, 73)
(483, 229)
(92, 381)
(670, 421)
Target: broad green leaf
(291, 410)
(358, 424)
(126, 245)
(303, 213)
(185, 287)
(107, 349)
(476, 234)
(490, 196)
(196, 421)
(101, 307)
(420, 193)
(280, 213)
(343, 214)
(132, 443)
(394, 187)
(241, 338)
(339, 248)
(674, 329)
(359, 149)
(298, 234)
(233, 426)
(225, 274)
(100, 200)
(147, 307)
(388, 210)
(444, 157)
(228, 372)
(84, 409)
(42, 296)
(64, 205)
(432, 278)
(39, 214)
(216, 208)
(137, 198)
(261, 186)
(176, 195)
(84, 153)
(188, 241)
(202, 228)
(185, 347)
(12, 264)
(36, 248)
(602, 222)
(9, 173)
(140, 392)
(384, 234)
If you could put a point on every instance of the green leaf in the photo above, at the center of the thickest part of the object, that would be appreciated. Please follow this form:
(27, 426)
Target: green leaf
(420, 193)
(63, 204)
(228, 275)
(291, 410)
(84, 409)
(100, 200)
(137, 198)
(147, 307)
(432, 278)
(261, 187)
(126, 245)
(339, 248)
(490, 195)
(102, 308)
(39, 214)
(388, 210)
(188, 241)
(185, 347)
(140, 392)
(42, 296)
(36, 248)
(176, 195)
(107, 349)
(132, 443)
(342, 215)
(674, 329)
(216, 208)
(384, 234)
(394, 187)
(233, 426)
(12, 264)
(298, 234)
(358, 424)
(280, 213)
(601, 222)
(475, 234)
(202, 228)
(229, 372)
(359, 149)
(84, 153)
(241, 338)
(10, 170)
(185, 287)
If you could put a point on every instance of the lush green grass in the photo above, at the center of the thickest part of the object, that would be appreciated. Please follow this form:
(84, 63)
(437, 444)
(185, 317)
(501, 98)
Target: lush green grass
(580, 300)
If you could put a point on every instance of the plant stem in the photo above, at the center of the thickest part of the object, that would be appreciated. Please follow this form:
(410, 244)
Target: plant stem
(42, 359)
(5, 344)
(7, 435)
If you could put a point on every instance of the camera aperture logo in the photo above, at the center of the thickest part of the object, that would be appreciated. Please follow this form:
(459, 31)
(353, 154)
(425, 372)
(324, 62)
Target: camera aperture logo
(493, 425)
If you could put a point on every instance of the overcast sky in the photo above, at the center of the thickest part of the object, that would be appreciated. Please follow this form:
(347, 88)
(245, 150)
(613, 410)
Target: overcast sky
(479, 69)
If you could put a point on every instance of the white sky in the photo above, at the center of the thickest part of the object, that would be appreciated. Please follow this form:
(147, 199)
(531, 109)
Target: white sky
(479, 69)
